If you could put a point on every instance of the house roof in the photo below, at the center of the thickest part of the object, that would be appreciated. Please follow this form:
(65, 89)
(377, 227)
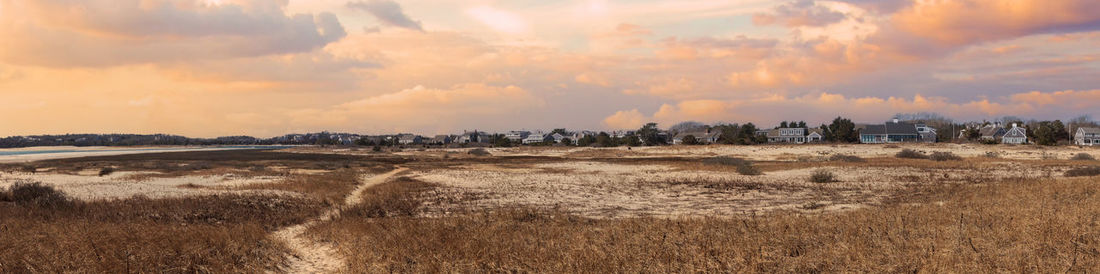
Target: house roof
(991, 131)
(441, 138)
(815, 130)
(900, 128)
(407, 137)
(698, 134)
(1089, 130)
(778, 133)
(1016, 132)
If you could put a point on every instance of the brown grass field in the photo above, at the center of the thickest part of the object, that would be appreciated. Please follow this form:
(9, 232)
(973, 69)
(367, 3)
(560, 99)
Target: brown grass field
(669, 209)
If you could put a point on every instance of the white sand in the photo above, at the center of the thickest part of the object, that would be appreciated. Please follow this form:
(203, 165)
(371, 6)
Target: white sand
(599, 189)
(119, 186)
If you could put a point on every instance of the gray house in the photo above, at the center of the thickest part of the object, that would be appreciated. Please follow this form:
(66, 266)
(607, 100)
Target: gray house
(409, 139)
(890, 132)
(787, 135)
(701, 137)
(441, 140)
(1015, 135)
(472, 137)
(1087, 136)
(992, 132)
(927, 133)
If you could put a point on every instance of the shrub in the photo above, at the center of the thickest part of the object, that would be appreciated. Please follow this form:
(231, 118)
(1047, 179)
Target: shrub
(846, 158)
(941, 156)
(744, 167)
(29, 169)
(1083, 157)
(910, 154)
(992, 154)
(480, 152)
(1083, 171)
(989, 141)
(106, 171)
(891, 146)
(822, 176)
(258, 168)
(35, 194)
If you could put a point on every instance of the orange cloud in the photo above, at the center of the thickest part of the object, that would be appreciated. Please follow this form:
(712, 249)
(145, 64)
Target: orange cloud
(630, 119)
(970, 21)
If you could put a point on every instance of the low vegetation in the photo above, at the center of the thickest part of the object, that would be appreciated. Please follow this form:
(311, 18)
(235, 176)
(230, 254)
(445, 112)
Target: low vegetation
(822, 176)
(941, 156)
(743, 167)
(846, 158)
(1083, 171)
(910, 154)
(1083, 157)
(479, 152)
(106, 171)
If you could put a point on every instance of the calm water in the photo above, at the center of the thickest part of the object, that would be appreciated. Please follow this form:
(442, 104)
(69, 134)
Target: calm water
(30, 152)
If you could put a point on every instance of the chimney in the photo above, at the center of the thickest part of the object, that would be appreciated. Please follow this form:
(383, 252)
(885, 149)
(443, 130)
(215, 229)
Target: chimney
(1013, 125)
(895, 120)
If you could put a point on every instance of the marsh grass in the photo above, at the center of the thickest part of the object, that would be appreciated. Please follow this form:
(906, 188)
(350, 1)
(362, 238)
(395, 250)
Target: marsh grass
(846, 158)
(980, 227)
(224, 233)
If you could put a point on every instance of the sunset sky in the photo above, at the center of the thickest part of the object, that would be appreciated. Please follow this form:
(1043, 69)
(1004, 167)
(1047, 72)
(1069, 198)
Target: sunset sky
(206, 68)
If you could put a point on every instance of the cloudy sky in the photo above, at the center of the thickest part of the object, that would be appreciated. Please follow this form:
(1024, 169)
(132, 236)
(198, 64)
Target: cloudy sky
(264, 68)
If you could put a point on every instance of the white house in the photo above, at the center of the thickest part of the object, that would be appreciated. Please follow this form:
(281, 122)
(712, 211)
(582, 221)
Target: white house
(815, 136)
(1015, 135)
(1087, 136)
(535, 138)
(517, 135)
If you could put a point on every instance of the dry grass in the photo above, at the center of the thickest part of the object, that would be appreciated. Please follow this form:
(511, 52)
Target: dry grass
(226, 233)
(1015, 226)
(397, 198)
(329, 188)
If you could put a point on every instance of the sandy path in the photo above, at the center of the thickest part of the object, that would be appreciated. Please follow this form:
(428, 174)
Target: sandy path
(313, 257)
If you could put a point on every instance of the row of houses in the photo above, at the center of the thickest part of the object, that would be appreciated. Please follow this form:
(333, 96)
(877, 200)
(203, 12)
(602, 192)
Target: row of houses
(890, 132)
